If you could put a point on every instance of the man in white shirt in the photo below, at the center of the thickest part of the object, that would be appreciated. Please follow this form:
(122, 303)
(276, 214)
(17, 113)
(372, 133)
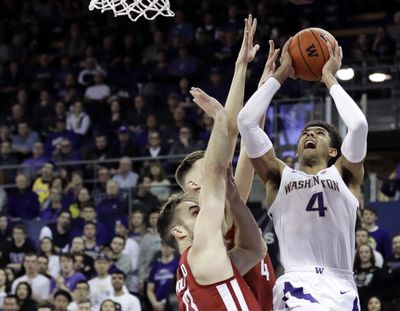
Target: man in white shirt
(100, 286)
(127, 301)
(99, 91)
(126, 178)
(39, 283)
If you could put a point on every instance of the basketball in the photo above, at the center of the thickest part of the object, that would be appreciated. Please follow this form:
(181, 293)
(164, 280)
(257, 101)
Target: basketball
(310, 53)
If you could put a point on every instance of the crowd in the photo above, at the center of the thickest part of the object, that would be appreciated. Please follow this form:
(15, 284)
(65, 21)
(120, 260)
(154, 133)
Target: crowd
(78, 85)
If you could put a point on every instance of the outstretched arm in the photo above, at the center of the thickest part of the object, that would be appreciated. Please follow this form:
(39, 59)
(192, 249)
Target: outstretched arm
(249, 247)
(258, 145)
(354, 147)
(244, 170)
(208, 241)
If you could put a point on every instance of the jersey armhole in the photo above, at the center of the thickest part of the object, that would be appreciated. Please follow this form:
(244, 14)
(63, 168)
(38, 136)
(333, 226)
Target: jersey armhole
(274, 203)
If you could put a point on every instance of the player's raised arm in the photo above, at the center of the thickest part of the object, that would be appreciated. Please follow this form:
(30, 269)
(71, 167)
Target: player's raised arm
(212, 195)
(249, 247)
(258, 145)
(244, 170)
(234, 101)
(354, 147)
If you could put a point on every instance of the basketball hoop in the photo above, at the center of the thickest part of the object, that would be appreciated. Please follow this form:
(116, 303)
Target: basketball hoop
(134, 9)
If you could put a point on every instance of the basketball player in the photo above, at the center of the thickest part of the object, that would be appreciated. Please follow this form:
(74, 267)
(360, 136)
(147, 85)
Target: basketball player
(314, 208)
(208, 277)
(261, 277)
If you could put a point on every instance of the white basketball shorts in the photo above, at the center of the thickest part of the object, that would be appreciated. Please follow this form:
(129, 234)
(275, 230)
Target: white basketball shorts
(316, 288)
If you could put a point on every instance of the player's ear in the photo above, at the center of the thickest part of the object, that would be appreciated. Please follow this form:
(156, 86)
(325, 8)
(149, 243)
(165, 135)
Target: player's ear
(192, 185)
(178, 232)
(333, 152)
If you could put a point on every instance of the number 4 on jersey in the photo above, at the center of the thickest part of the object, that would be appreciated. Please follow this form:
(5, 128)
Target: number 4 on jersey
(317, 198)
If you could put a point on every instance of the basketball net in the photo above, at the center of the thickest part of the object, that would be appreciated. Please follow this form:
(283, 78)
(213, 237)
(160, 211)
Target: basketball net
(134, 9)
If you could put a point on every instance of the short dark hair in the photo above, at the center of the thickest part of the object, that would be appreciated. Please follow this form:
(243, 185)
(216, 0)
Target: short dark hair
(168, 219)
(89, 223)
(67, 256)
(20, 226)
(362, 229)
(370, 209)
(62, 292)
(335, 137)
(82, 282)
(119, 237)
(118, 272)
(186, 165)
(30, 254)
(11, 296)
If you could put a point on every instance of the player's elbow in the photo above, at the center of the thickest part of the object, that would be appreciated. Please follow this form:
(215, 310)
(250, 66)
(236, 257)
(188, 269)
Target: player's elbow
(263, 249)
(361, 125)
(243, 121)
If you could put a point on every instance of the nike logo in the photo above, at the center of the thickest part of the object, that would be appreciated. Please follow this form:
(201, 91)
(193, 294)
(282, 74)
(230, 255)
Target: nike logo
(342, 292)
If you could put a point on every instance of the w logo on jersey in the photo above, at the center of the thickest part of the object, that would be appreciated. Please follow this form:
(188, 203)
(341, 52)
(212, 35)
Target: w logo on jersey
(319, 270)
(312, 51)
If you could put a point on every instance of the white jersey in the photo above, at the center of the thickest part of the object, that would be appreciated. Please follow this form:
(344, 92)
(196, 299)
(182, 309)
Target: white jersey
(314, 218)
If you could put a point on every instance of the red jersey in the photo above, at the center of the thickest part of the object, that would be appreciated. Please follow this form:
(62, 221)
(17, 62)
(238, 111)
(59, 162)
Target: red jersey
(260, 279)
(232, 294)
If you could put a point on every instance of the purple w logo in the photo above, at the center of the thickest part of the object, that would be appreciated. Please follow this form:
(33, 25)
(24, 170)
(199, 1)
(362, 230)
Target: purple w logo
(319, 270)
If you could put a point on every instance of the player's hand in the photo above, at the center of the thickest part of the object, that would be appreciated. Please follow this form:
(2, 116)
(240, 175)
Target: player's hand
(286, 59)
(208, 104)
(335, 60)
(232, 192)
(248, 51)
(270, 65)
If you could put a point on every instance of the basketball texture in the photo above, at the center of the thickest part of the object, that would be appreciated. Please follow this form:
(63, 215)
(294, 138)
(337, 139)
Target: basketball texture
(309, 52)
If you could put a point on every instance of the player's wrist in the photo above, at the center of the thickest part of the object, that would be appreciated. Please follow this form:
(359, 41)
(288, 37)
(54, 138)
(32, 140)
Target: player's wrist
(328, 78)
(282, 73)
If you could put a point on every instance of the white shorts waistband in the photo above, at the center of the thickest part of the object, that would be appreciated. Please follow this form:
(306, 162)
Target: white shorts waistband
(321, 271)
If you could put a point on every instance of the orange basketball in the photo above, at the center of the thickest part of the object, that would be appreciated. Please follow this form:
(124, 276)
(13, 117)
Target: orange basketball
(310, 53)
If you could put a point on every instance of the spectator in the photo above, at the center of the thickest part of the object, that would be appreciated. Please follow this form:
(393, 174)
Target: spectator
(383, 45)
(137, 227)
(7, 158)
(160, 185)
(181, 28)
(68, 277)
(117, 118)
(392, 266)
(80, 294)
(100, 286)
(99, 91)
(85, 306)
(184, 65)
(23, 203)
(62, 299)
(124, 147)
(88, 214)
(143, 199)
(66, 153)
(91, 68)
(150, 52)
(53, 206)
(17, 115)
(92, 248)
(109, 305)
(101, 150)
(78, 121)
(60, 133)
(154, 148)
(42, 112)
(59, 232)
(75, 43)
(47, 249)
(379, 235)
(161, 278)
(99, 191)
(138, 115)
(35, 163)
(185, 144)
(41, 184)
(19, 247)
(126, 300)
(4, 287)
(150, 245)
(40, 284)
(126, 178)
(362, 237)
(131, 249)
(362, 47)
(43, 269)
(367, 276)
(86, 262)
(11, 303)
(120, 260)
(23, 292)
(112, 205)
(23, 142)
(82, 200)
(374, 304)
